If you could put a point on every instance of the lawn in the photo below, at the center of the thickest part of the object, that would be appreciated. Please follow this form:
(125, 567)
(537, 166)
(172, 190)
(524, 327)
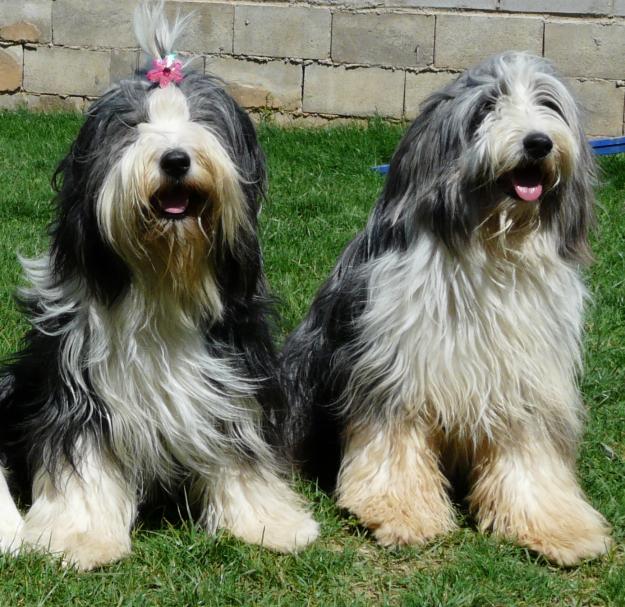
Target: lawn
(321, 190)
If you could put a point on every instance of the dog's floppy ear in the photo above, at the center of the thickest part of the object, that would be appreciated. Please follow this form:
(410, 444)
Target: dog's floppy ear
(576, 217)
(240, 269)
(251, 161)
(423, 185)
(78, 249)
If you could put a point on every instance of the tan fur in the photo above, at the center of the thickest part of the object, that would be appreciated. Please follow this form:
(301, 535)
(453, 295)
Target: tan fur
(390, 479)
(525, 490)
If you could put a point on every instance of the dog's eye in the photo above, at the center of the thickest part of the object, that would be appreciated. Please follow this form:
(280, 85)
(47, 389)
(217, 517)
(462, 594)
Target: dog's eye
(551, 105)
(483, 109)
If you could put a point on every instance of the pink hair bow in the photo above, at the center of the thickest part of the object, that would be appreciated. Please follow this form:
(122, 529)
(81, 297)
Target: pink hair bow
(165, 71)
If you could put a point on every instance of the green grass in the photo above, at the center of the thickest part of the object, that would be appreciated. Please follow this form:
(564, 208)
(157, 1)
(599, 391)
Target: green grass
(321, 191)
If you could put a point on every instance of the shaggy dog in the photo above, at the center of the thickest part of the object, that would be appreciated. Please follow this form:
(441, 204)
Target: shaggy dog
(447, 339)
(150, 359)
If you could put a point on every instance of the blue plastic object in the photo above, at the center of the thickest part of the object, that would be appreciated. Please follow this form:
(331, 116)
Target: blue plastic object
(606, 147)
(601, 147)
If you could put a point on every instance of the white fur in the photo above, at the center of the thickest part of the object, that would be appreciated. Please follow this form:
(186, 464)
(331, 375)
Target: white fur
(154, 34)
(11, 522)
(499, 142)
(83, 515)
(477, 344)
(258, 507)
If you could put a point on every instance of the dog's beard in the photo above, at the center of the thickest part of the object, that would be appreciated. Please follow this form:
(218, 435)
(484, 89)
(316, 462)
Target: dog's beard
(168, 231)
(178, 247)
(514, 192)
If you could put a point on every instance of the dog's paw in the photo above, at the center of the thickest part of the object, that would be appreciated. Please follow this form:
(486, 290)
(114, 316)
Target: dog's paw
(11, 538)
(261, 508)
(566, 535)
(570, 541)
(396, 523)
(568, 552)
(391, 533)
(292, 535)
(85, 551)
(78, 549)
(290, 530)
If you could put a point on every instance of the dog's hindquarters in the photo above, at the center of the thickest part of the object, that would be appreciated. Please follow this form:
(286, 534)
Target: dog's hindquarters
(315, 365)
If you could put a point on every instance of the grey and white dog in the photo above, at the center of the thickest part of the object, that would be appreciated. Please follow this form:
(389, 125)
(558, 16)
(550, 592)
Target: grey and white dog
(447, 339)
(150, 359)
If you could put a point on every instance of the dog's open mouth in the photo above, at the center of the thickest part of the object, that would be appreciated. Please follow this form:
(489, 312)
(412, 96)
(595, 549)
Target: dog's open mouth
(527, 183)
(175, 202)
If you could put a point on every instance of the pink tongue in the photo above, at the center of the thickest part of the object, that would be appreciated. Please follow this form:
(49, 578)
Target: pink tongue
(527, 185)
(174, 202)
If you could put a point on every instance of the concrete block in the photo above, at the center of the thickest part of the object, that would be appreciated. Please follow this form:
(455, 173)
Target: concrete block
(282, 31)
(209, 29)
(54, 103)
(420, 86)
(123, 64)
(602, 104)
(37, 12)
(586, 49)
(619, 7)
(387, 39)
(13, 101)
(11, 61)
(461, 4)
(66, 71)
(463, 40)
(577, 7)
(274, 84)
(353, 92)
(22, 31)
(358, 4)
(105, 23)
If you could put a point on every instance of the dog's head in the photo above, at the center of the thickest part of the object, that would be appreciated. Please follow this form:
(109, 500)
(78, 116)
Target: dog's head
(496, 154)
(162, 186)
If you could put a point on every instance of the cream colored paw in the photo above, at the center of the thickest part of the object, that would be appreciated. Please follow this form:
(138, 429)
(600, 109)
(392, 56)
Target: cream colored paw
(261, 508)
(11, 537)
(401, 523)
(292, 533)
(408, 531)
(569, 541)
(81, 550)
(85, 551)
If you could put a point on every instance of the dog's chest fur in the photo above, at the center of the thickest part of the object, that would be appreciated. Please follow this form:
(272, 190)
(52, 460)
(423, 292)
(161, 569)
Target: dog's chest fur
(170, 400)
(471, 342)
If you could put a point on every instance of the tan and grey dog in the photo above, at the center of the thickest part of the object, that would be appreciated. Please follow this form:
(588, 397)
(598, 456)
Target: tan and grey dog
(447, 339)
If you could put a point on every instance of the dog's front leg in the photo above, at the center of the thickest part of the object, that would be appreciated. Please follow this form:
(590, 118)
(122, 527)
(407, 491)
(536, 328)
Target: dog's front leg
(83, 513)
(257, 505)
(526, 490)
(390, 479)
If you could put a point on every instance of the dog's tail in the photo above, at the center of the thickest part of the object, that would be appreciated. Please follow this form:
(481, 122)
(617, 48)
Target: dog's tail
(155, 34)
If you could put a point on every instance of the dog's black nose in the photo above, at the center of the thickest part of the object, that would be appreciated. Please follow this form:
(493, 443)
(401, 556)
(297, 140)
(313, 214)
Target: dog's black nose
(175, 163)
(537, 145)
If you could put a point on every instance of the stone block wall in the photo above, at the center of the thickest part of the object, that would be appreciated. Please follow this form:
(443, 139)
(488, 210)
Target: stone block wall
(317, 60)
